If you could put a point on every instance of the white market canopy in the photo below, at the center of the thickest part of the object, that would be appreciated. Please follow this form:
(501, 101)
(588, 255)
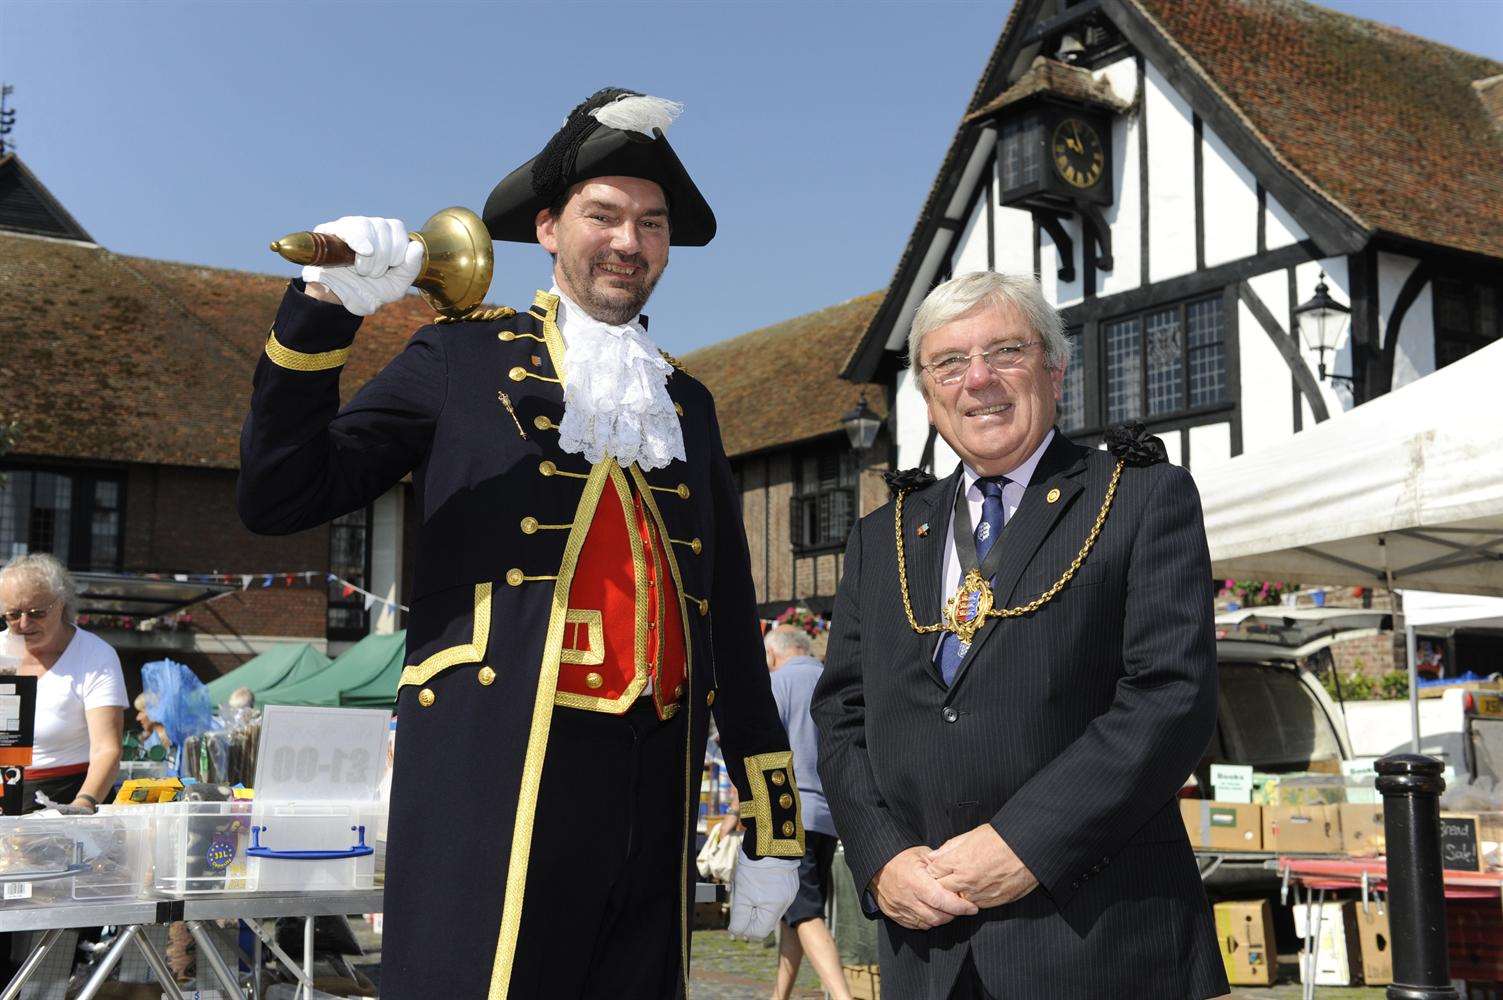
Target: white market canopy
(1423, 608)
(1410, 483)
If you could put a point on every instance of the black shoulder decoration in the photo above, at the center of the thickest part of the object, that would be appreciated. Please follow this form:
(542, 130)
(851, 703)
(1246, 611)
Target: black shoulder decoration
(905, 480)
(1132, 443)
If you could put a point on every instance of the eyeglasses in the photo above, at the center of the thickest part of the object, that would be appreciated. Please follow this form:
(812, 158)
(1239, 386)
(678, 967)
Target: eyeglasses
(35, 614)
(951, 368)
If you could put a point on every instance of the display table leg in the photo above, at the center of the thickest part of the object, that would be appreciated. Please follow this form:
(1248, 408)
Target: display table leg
(33, 962)
(159, 967)
(108, 963)
(308, 953)
(257, 957)
(281, 956)
(207, 952)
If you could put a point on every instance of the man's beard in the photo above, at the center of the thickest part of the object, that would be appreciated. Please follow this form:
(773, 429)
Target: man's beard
(612, 311)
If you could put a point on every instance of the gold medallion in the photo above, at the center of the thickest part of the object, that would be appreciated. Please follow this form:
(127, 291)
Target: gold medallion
(966, 612)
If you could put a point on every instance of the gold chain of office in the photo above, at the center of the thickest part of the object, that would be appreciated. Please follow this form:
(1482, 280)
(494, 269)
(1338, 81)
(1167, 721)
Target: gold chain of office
(1020, 610)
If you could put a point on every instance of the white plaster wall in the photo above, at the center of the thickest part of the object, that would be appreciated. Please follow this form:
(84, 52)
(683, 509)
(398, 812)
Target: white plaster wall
(1210, 446)
(386, 558)
(1280, 228)
(1063, 293)
(1267, 393)
(1171, 179)
(1415, 357)
(970, 252)
(913, 429)
(1014, 233)
(1230, 197)
(1124, 215)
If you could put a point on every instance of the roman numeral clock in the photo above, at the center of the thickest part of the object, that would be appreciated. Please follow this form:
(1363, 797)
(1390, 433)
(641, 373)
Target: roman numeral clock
(1054, 157)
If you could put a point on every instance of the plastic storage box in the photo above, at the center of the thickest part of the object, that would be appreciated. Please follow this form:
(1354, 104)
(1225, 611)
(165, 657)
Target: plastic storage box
(64, 859)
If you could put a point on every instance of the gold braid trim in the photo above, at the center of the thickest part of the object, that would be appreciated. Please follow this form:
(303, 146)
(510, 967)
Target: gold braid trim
(285, 357)
(480, 314)
(1021, 610)
(675, 362)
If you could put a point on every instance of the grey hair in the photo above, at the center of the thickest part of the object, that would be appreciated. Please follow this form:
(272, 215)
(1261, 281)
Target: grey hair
(45, 569)
(964, 295)
(788, 640)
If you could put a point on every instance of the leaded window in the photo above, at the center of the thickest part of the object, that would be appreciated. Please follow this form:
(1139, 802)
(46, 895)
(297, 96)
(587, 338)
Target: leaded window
(823, 507)
(1166, 360)
(1072, 394)
(1466, 318)
(74, 515)
(350, 561)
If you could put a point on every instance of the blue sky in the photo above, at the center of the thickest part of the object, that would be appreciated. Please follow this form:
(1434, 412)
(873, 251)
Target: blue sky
(200, 131)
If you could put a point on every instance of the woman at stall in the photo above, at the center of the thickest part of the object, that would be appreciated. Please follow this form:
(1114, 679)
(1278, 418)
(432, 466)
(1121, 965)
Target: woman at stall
(80, 691)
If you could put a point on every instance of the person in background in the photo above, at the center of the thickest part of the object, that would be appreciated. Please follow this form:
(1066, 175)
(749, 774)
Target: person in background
(794, 673)
(153, 733)
(80, 691)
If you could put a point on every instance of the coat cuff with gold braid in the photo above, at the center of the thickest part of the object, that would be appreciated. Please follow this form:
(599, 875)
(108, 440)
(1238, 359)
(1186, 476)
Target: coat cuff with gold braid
(310, 335)
(773, 815)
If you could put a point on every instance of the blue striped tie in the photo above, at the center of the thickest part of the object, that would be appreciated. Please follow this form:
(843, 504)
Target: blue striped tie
(951, 650)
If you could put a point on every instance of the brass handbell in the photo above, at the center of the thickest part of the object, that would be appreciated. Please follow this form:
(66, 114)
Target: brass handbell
(457, 258)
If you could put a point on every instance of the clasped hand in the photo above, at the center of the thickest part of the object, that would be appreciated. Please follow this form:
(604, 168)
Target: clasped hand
(922, 888)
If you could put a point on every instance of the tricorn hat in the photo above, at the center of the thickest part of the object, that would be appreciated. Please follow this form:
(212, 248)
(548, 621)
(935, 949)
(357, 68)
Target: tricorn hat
(615, 133)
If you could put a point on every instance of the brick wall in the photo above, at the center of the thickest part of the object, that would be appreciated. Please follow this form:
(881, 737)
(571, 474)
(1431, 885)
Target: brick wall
(1373, 655)
(180, 520)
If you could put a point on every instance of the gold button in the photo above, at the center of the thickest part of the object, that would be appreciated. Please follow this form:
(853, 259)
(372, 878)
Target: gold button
(506, 335)
(678, 408)
(593, 680)
(678, 692)
(788, 828)
(529, 525)
(542, 423)
(425, 697)
(546, 468)
(785, 800)
(704, 608)
(1053, 496)
(779, 778)
(486, 677)
(514, 577)
(696, 546)
(709, 698)
(517, 374)
(682, 491)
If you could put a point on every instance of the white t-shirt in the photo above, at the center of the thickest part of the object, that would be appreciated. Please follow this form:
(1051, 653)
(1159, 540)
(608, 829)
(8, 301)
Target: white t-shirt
(86, 676)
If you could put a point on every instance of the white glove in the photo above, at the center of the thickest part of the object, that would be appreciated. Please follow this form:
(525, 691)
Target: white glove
(386, 262)
(760, 894)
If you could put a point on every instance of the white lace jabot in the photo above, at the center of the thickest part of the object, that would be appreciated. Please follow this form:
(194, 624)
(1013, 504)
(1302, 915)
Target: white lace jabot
(615, 392)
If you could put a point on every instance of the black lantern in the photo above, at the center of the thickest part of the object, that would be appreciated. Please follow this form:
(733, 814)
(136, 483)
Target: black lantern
(1321, 320)
(861, 425)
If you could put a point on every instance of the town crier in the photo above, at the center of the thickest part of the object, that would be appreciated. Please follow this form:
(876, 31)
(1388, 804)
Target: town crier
(582, 600)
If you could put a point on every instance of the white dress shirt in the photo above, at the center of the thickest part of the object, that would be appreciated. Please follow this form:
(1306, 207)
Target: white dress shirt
(1012, 495)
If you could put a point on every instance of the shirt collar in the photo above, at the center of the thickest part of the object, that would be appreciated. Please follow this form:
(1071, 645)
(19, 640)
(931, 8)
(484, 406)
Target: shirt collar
(1022, 475)
(571, 314)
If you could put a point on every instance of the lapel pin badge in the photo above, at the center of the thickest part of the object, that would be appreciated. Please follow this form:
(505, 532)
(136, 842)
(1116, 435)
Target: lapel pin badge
(923, 530)
(1053, 496)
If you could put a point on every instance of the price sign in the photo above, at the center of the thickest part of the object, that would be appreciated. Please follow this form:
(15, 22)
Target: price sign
(1458, 843)
(308, 754)
(1232, 782)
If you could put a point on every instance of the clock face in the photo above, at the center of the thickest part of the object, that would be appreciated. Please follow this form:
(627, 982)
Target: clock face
(1077, 152)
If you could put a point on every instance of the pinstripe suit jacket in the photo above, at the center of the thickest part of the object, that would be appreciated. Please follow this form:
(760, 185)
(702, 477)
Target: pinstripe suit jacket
(1070, 730)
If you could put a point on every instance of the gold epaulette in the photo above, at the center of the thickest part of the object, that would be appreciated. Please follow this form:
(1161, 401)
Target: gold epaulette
(480, 314)
(675, 362)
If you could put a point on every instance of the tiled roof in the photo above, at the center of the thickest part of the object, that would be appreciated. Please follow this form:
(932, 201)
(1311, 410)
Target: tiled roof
(1385, 123)
(125, 359)
(1052, 77)
(781, 384)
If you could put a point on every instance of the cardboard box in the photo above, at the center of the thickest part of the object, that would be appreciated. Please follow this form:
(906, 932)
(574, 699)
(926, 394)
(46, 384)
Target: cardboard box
(1245, 933)
(1222, 826)
(864, 982)
(1374, 942)
(1362, 830)
(1336, 957)
(1306, 829)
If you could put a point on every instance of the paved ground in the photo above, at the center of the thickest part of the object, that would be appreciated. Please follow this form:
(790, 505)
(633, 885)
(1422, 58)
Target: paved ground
(724, 969)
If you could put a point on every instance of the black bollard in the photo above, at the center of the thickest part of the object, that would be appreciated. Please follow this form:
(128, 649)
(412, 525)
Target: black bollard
(1411, 785)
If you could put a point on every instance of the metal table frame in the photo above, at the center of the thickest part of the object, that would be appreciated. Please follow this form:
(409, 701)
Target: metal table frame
(253, 909)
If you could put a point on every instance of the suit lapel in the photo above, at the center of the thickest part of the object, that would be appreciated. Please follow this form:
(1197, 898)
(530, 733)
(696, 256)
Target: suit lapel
(1059, 468)
(926, 559)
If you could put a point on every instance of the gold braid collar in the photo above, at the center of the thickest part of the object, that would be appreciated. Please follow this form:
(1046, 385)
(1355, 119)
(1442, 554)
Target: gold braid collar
(480, 314)
(982, 609)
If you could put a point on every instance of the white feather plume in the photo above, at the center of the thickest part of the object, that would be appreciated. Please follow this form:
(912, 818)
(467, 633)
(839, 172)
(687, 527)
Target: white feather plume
(639, 113)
